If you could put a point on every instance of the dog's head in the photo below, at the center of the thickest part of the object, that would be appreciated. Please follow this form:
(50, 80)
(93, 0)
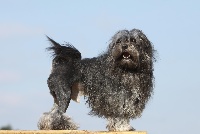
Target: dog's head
(131, 50)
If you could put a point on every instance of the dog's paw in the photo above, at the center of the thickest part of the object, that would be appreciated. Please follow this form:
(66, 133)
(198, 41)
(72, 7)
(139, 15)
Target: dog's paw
(55, 120)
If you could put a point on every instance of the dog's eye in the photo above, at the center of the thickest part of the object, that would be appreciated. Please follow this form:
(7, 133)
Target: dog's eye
(118, 41)
(132, 40)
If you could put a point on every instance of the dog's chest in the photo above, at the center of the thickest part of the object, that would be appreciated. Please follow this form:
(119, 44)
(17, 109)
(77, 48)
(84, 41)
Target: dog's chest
(106, 81)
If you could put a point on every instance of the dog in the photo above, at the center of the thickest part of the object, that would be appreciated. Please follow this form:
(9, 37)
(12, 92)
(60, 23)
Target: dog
(117, 84)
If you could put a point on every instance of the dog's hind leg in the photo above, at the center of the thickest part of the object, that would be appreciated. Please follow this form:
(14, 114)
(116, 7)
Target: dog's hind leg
(60, 83)
(60, 89)
(55, 119)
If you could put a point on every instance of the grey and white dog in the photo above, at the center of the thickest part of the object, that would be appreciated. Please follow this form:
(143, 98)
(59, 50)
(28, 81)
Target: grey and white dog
(117, 84)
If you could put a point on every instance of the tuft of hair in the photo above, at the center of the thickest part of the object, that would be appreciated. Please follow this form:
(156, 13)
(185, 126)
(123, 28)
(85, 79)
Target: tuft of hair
(56, 120)
(64, 51)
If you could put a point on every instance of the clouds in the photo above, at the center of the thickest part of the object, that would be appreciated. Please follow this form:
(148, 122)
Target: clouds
(9, 30)
(172, 26)
(22, 108)
(9, 77)
(9, 99)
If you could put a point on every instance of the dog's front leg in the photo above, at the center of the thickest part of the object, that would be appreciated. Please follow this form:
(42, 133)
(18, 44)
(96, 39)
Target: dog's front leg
(119, 124)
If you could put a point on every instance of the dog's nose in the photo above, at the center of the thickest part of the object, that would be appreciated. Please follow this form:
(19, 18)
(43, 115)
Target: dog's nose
(124, 46)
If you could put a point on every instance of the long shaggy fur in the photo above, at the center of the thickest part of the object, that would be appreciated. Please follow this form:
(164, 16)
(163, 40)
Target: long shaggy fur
(116, 84)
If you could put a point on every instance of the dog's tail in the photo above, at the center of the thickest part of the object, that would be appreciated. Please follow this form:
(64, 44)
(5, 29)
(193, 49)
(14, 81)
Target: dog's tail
(67, 51)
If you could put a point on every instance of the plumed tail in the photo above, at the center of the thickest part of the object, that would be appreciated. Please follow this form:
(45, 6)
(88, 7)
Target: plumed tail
(63, 51)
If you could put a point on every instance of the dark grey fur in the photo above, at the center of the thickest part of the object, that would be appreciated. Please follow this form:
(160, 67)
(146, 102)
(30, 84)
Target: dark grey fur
(117, 84)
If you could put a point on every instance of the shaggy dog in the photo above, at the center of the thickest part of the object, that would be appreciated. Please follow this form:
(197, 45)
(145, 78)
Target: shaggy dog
(117, 84)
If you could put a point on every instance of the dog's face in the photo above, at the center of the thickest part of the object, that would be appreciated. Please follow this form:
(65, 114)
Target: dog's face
(130, 48)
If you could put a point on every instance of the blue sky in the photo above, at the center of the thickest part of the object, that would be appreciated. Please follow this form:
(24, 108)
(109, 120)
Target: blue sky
(172, 26)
